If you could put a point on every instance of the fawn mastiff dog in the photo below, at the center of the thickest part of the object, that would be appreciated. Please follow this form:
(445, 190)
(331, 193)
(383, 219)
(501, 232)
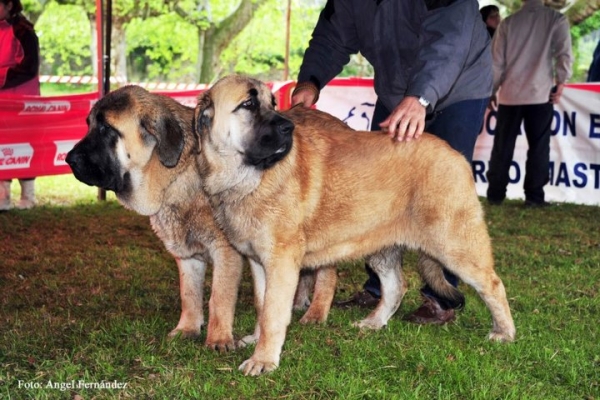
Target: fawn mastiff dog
(292, 197)
(142, 146)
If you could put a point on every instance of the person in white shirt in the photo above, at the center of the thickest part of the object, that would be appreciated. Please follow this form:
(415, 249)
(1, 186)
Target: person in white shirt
(532, 60)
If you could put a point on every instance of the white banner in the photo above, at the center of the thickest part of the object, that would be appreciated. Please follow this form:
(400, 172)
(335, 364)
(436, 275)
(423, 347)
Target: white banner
(574, 148)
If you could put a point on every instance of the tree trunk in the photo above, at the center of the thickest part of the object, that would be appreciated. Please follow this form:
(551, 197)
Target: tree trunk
(118, 48)
(216, 38)
(208, 59)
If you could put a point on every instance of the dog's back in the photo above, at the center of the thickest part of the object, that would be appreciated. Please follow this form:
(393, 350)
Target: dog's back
(421, 190)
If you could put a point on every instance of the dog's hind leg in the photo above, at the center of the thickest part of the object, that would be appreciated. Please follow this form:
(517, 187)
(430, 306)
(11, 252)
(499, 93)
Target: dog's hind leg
(305, 288)
(388, 266)
(491, 290)
(326, 279)
(475, 267)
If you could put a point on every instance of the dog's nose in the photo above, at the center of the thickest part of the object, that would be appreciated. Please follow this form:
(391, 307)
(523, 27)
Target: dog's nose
(72, 158)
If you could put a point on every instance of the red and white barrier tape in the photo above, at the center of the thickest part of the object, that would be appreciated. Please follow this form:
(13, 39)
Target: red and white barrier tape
(92, 80)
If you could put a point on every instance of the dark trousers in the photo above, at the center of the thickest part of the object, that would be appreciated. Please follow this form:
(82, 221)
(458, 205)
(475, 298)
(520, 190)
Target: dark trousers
(459, 125)
(537, 119)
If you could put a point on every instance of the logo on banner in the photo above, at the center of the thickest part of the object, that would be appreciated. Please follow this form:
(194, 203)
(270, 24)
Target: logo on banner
(15, 156)
(62, 148)
(359, 117)
(45, 107)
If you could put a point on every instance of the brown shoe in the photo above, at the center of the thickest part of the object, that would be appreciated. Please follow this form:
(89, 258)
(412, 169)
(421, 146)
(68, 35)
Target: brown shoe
(362, 299)
(430, 312)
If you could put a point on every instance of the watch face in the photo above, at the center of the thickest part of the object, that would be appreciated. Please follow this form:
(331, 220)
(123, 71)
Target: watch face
(423, 102)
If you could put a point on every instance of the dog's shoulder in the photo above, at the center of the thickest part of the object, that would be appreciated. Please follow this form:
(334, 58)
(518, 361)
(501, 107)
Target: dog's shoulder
(311, 118)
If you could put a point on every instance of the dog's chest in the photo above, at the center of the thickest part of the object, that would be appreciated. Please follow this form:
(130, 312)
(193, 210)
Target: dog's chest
(182, 235)
(242, 229)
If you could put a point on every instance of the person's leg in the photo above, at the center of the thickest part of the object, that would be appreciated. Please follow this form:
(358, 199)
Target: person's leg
(507, 130)
(459, 125)
(5, 195)
(538, 119)
(27, 200)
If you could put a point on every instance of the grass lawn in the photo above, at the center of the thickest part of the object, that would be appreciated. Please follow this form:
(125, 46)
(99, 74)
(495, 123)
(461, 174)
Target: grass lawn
(88, 295)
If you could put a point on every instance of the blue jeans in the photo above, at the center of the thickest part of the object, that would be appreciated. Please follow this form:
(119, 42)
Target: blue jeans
(458, 124)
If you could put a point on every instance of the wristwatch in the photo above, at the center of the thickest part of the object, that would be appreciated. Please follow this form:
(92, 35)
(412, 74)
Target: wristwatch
(424, 102)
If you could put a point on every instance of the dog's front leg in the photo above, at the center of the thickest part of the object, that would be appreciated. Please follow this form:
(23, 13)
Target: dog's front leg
(227, 273)
(191, 286)
(281, 281)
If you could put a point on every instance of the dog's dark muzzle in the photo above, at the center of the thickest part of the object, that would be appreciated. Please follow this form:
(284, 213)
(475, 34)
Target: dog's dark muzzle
(273, 141)
(95, 166)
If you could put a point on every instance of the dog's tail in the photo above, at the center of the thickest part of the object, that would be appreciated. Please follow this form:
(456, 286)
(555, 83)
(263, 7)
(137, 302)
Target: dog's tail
(432, 273)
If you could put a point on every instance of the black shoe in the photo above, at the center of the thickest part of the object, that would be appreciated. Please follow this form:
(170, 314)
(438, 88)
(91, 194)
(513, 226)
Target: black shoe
(362, 299)
(537, 204)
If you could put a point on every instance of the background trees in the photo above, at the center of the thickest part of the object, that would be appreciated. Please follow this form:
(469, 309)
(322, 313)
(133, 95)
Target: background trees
(200, 40)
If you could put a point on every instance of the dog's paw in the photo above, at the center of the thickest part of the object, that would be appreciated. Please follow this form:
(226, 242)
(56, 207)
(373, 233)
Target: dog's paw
(503, 337)
(254, 367)
(184, 333)
(247, 341)
(369, 323)
(312, 317)
(301, 304)
(221, 345)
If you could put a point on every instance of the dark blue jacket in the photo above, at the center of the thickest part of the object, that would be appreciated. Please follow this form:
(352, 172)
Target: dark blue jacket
(439, 50)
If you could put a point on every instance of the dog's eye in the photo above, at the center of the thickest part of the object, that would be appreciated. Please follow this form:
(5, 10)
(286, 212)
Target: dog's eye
(249, 104)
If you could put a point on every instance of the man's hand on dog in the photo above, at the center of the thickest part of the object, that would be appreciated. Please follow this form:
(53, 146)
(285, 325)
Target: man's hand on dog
(407, 121)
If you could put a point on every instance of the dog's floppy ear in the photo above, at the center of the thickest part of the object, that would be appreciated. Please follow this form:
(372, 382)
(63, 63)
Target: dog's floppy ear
(204, 113)
(169, 134)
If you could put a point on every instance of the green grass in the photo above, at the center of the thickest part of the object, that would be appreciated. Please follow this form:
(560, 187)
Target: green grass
(87, 292)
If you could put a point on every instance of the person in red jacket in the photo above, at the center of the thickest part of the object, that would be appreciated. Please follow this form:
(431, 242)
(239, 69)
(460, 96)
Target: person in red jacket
(19, 75)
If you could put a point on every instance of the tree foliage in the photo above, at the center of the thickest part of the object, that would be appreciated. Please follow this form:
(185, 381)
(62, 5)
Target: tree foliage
(161, 48)
(65, 47)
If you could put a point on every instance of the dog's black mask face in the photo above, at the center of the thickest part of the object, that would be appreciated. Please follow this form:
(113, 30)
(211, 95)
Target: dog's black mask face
(94, 159)
(272, 141)
(94, 162)
(237, 117)
(272, 135)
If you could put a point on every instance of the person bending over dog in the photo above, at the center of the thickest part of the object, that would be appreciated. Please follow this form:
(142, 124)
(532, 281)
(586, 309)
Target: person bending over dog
(433, 72)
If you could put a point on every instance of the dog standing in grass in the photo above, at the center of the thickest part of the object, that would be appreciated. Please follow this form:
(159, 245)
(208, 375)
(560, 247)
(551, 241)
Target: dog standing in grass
(141, 146)
(290, 196)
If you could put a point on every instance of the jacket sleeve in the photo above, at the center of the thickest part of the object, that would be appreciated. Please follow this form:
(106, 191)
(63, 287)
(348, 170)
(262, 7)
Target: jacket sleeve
(561, 50)
(499, 55)
(446, 39)
(28, 67)
(334, 39)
